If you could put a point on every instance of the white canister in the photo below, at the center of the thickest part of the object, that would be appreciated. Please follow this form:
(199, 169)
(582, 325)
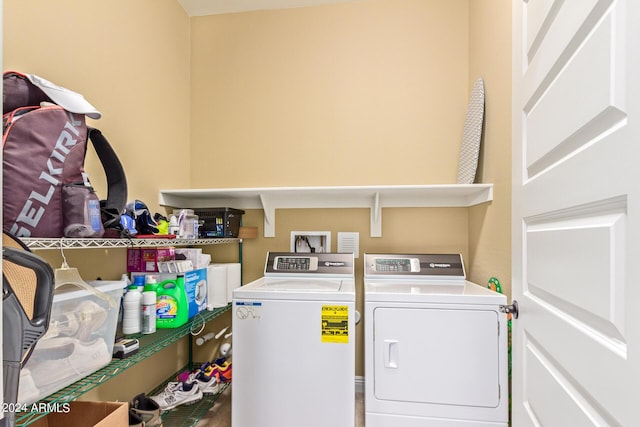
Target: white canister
(187, 224)
(131, 318)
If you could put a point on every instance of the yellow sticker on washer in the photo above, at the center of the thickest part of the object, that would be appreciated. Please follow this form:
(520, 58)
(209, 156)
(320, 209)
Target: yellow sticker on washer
(335, 324)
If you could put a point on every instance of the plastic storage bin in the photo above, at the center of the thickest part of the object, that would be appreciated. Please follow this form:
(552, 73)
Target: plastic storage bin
(219, 222)
(79, 340)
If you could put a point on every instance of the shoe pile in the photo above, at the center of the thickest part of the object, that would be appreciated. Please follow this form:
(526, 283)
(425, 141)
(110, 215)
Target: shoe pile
(220, 370)
(192, 385)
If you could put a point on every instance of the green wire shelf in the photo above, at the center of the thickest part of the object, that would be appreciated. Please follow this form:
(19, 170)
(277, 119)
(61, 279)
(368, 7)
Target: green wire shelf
(149, 345)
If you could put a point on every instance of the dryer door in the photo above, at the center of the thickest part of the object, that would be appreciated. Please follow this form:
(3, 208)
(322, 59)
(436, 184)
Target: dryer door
(437, 356)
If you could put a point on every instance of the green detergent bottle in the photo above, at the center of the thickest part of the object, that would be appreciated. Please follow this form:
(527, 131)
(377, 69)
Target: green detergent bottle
(172, 309)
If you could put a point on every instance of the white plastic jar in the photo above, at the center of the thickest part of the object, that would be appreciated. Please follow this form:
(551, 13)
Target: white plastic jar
(187, 224)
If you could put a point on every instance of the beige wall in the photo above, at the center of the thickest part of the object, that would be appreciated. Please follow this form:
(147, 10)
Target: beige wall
(131, 60)
(369, 92)
(372, 92)
(490, 58)
(134, 67)
(363, 93)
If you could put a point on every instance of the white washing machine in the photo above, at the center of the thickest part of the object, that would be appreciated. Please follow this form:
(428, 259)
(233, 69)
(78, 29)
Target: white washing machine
(294, 343)
(435, 345)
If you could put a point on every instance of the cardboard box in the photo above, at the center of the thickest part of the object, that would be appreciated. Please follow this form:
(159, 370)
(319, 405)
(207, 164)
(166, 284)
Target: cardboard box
(151, 256)
(86, 414)
(134, 260)
(190, 254)
(146, 259)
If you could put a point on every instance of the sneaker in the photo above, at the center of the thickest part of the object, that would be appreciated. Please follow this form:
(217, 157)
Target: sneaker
(209, 368)
(222, 373)
(224, 376)
(62, 360)
(147, 409)
(185, 375)
(135, 420)
(90, 317)
(221, 361)
(64, 324)
(206, 384)
(176, 394)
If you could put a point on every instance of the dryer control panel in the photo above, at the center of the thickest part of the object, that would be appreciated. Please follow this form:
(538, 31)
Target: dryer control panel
(432, 265)
(396, 265)
(288, 263)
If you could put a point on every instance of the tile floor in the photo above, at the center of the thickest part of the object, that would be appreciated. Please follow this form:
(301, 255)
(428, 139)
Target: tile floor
(220, 414)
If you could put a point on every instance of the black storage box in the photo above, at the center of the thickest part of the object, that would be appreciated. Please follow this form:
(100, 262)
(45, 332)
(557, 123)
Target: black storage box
(219, 222)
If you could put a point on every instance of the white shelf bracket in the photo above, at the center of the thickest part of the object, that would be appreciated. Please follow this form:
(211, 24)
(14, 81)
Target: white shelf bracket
(269, 216)
(376, 216)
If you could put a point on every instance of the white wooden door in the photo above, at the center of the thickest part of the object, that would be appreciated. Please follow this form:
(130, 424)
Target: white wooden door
(576, 212)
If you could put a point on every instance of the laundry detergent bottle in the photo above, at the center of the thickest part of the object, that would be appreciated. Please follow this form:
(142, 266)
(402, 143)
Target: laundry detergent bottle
(172, 309)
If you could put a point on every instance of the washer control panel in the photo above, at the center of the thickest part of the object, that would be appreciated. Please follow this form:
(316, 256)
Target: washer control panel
(288, 263)
(298, 263)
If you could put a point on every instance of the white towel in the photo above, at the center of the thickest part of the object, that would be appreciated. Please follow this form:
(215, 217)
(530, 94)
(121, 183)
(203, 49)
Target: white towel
(233, 279)
(216, 286)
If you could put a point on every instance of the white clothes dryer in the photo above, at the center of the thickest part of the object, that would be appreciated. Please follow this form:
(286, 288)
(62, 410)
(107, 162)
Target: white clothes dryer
(435, 344)
(294, 343)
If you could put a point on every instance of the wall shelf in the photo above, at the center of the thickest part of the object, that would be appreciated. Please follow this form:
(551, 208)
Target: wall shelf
(373, 197)
(35, 243)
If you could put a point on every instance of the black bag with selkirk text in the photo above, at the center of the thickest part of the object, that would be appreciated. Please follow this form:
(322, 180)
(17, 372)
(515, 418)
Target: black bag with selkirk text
(46, 191)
